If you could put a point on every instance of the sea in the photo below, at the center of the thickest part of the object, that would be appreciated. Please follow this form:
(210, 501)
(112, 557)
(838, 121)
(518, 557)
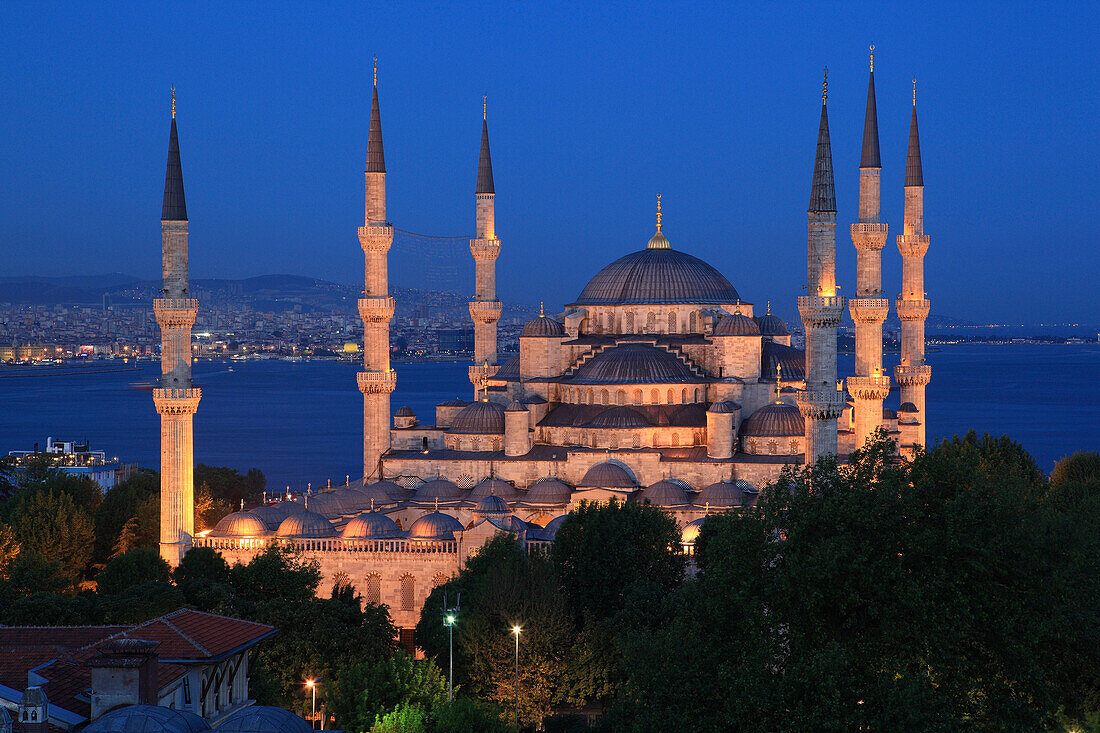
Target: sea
(301, 422)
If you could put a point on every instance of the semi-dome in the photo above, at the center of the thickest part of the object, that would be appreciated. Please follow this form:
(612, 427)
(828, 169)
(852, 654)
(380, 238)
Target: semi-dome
(479, 418)
(370, 526)
(150, 718)
(272, 515)
(633, 363)
(772, 325)
(691, 531)
(550, 531)
(491, 505)
(775, 420)
(665, 493)
(239, 524)
(493, 485)
(434, 526)
(725, 406)
(439, 488)
(548, 491)
(607, 476)
(657, 275)
(792, 360)
(306, 524)
(619, 417)
(543, 326)
(736, 324)
(263, 719)
(723, 494)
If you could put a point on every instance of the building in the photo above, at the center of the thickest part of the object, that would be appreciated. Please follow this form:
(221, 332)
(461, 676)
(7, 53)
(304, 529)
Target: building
(73, 459)
(660, 382)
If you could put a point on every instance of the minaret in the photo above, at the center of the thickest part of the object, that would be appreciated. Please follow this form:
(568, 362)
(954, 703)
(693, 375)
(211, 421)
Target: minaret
(377, 381)
(869, 386)
(822, 402)
(912, 373)
(176, 400)
(484, 308)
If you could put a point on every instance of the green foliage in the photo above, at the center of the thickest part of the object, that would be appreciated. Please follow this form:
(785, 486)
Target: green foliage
(41, 473)
(463, 714)
(255, 482)
(226, 484)
(29, 574)
(209, 510)
(128, 516)
(138, 566)
(51, 609)
(365, 692)
(51, 526)
(201, 563)
(405, 719)
(136, 603)
(276, 575)
(9, 549)
(1083, 467)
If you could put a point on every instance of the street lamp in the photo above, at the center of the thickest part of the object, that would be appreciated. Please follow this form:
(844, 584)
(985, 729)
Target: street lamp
(450, 616)
(312, 685)
(515, 632)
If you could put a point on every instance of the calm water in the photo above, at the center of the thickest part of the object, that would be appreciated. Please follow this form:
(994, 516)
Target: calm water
(302, 421)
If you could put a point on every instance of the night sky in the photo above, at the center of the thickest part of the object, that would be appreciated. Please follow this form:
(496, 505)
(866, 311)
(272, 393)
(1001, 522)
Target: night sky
(592, 111)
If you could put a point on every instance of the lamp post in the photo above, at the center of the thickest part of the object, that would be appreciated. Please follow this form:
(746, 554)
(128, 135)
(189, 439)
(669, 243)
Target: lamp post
(515, 632)
(450, 616)
(312, 685)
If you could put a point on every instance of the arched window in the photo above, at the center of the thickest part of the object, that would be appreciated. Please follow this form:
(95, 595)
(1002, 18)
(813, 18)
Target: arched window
(773, 447)
(637, 397)
(675, 440)
(589, 400)
(373, 589)
(613, 442)
(438, 579)
(629, 322)
(693, 323)
(683, 396)
(475, 444)
(620, 397)
(408, 592)
(670, 398)
(671, 322)
(696, 394)
(637, 441)
(584, 437)
(651, 322)
(655, 397)
(603, 396)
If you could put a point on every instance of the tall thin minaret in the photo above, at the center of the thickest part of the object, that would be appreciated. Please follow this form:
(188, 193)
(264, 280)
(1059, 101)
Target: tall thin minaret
(912, 373)
(377, 380)
(822, 402)
(484, 308)
(869, 386)
(175, 398)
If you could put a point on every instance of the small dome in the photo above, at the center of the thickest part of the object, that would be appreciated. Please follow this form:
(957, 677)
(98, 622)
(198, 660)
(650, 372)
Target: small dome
(439, 488)
(888, 414)
(774, 420)
(726, 406)
(493, 485)
(434, 526)
(348, 501)
(272, 515)
(907, 407)
(607, 476)
(534, 400)
(404, 412)
(736, 324)
(306, 524)
(772, 326)
(264, 719)
(395, 491)
(665, 493)
(723, 494)
(375, 493)
(543, 326)
(792, 360)
(691, 531)
(239, 524)
(550, 531)
(150, 718)
(619, 417)
(491, 504)
(548, 491)
(370, 526)
(516, 406)
(479, 418)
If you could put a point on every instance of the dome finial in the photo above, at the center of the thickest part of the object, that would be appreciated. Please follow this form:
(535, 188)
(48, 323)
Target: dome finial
(485, 106)
(737, 308)
(872, 58)
(174, 102)
(824, 84)
(658, 212)
(658, 240)
(914, 91)
(376, 71)
(372, 504)
(769, 309)
(437, 503)
(778, 377)
(542, 314)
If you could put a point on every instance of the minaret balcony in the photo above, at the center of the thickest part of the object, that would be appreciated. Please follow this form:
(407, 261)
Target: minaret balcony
(175, 312)
(819, 311)
(377, 382)
(177, 401)
(825, 404)
(376, 237)
(874, 387)
(913, 245)
(376, 310)
(869, 236)
(913, 375)
(485, 311)
(869, 310)
(485, 249)
(912, 310)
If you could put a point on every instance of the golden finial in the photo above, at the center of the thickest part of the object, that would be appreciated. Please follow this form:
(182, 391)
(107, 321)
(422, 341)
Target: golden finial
(541, 313)
(737, 308)
(658, 212)
(914, 91)
(485, 107)
(824, 84)
(872, 58)
(174, 103)
(769, 309)
(778, 379)
(375, 71)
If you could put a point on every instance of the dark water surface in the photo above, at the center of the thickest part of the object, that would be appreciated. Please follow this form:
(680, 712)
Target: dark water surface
(302, 421)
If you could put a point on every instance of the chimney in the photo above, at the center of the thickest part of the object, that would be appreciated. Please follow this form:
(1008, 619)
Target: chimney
(124, 673)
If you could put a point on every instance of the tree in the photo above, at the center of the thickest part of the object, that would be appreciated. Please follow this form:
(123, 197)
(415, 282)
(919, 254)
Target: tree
(51, 526)
(1083, 467)
(405, 719)
(276, 575)
(138, 566)
(9, 549)
(51, 609)
(129, 515)
(364, 692)
(463, 714)
(209, 510)
(224, 483)
(255, 482)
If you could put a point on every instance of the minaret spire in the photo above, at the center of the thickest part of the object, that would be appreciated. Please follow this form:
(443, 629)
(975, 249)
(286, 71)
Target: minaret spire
(485, 308)
(485, 160)
(869, 157)
(914, 175)
(822, 191)
(175, 205)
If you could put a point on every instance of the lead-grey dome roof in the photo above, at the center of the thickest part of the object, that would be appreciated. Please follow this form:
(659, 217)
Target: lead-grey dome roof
(657, 275)
(665, 493)
(370, 526)
(724, 494)
(272, 515)
(493, 485)
(550, 531)
(264, 719)
(548, 491)
(434, 526)
(306, 524)
(736, 324)
(543, 326)
(607, 476)
(439, 488)
(152, 719)
(491, 504)
(772, 325)
(479, 418)
(633, 363)
(619, 417)
(774, 420)
(239, 524)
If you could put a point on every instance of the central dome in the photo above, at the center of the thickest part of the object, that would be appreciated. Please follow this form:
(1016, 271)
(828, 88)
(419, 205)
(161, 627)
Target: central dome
(657, 275)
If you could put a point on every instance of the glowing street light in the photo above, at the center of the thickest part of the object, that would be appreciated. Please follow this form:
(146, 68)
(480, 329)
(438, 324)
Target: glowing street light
(312, 685)
(515, 632)
(450, 616)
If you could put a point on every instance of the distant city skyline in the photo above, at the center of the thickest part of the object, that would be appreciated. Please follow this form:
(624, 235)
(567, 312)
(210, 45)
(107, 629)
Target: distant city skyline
(592, 111)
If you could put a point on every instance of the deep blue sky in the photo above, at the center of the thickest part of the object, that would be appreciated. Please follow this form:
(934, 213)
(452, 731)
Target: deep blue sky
(593, 108)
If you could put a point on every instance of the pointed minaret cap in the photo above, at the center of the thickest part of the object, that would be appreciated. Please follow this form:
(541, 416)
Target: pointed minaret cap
(175, 206)
(376, 159)
(869, 158)
(822, 192)
(914, 176)
(485, 162)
